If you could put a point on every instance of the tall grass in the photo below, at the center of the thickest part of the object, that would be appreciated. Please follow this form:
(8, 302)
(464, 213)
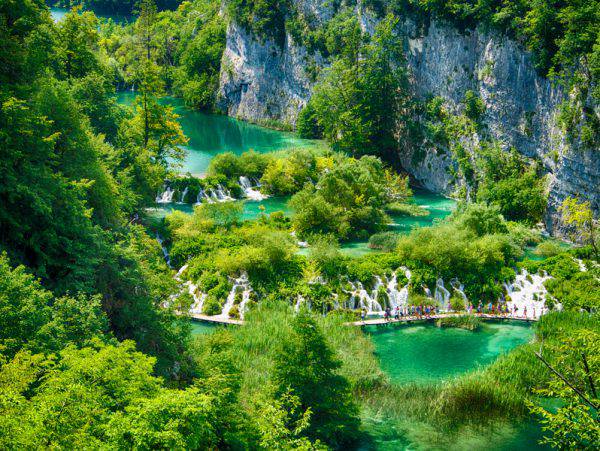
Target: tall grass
(468, 322)
(267, 326)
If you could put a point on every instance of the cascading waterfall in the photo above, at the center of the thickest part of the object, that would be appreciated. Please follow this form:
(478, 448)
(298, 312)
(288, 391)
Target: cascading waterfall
(177, 276)
(459, 288)
(249, 189)
(241, 283)
(166, 197)
(198, 297)
(528, 292)
(442, 295)
(164, 250)
(398, 298)
(220, 194)
(365, 301)
(299, 301)
(183, 194)
(203, 197)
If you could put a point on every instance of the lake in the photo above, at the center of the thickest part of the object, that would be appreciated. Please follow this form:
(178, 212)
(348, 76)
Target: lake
(57, 15)
(212, 134)
(425, 354)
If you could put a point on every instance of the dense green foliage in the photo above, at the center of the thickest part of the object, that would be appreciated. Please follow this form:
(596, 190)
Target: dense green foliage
(71, 195)
(186, 47)
(360, 99)
(572, 288)
(125, 7)
(92, 354)
(332, 194)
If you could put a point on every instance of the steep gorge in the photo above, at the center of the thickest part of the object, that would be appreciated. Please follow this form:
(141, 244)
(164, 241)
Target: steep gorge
(264, 81)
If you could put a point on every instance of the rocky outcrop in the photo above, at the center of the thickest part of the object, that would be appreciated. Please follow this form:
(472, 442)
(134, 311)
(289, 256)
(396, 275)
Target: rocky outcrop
(262, 81)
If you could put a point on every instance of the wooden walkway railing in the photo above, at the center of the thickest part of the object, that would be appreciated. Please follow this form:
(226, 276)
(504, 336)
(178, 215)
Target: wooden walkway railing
(368, 322)
(408, 319)
(216, 319)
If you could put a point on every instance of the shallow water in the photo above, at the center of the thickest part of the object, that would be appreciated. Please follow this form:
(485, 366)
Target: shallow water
(439, 207)
(212, 134)
(202, 328)
(427, 353)
(252, 209)
(57, 15)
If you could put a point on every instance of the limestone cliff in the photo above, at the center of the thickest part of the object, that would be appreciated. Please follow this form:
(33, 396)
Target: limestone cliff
(263, 81)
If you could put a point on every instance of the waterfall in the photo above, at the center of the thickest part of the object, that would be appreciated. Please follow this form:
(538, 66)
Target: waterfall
(365, 301)
(398, 297)
(220, 194)
(249, 191)
(239, 283)
(183, 194)
(199, 298)
(165, 197)
(427, 291)
(459, 288)
(299, 301)
(527, 291)
(203, 196)
(164, 250)
(180, 272)
(442, 295)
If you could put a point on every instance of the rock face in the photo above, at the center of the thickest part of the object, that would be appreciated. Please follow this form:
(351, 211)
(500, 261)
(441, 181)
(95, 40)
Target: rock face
(261, 81)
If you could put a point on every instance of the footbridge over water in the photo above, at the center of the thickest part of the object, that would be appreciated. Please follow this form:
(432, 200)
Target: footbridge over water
(371, 322)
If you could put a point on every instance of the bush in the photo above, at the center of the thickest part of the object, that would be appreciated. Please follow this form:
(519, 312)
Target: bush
(468, 322)
(386, 241)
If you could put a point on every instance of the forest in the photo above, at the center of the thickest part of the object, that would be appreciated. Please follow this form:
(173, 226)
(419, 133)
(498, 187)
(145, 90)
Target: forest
(97, 345)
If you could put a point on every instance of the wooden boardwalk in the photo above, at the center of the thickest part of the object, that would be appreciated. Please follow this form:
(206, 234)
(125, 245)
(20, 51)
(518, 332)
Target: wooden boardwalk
(216, 319)
(368, 322)
(410, 319)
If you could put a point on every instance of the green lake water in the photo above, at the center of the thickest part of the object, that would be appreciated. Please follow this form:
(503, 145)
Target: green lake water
(439, 207)
(426, 354)
(58, 13)
(212, 134)
(202, 328)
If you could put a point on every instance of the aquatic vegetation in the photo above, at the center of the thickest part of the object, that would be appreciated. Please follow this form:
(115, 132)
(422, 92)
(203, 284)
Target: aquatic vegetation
(468, 322)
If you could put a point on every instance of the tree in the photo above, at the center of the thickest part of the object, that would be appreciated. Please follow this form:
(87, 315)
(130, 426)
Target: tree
(77, 44)
(575, 381)
(306, 368)
(579, 216)
(358, 102)
(24, 309)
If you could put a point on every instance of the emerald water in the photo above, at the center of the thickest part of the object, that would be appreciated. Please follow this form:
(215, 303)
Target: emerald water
(58, 13)
(438, 206)
(202, 328)
(427, 353)
(212, 134)
(252, 209)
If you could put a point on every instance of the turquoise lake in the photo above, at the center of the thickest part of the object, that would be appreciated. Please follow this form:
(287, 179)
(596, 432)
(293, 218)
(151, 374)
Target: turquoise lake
(212, 134)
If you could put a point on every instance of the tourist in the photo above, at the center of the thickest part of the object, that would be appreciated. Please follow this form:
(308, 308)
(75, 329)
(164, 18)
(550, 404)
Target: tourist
(525, 312)
(397, 313)
(363, 315)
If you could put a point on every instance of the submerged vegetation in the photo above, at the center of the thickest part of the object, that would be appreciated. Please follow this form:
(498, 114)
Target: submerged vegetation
(95, 345)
